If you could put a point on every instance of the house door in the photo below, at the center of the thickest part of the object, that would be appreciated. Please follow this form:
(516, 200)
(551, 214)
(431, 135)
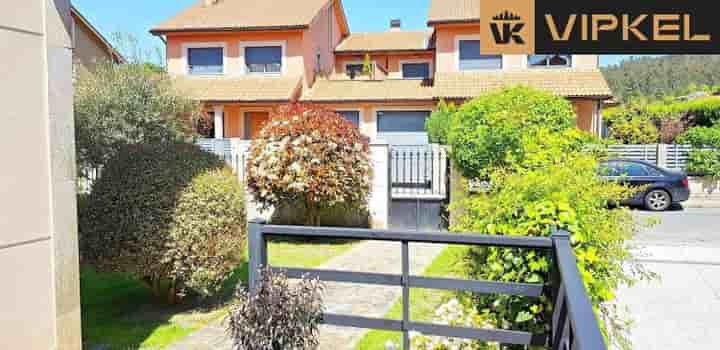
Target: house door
(254, 123)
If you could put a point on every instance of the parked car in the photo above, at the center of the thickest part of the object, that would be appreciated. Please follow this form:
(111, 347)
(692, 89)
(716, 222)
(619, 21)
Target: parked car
(662, 187)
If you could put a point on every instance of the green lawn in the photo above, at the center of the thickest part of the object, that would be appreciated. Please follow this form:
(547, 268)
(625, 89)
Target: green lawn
(119, 313)
(423, 302)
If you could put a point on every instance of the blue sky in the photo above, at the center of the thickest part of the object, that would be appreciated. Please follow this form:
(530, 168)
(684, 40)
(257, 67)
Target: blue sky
(138, 16)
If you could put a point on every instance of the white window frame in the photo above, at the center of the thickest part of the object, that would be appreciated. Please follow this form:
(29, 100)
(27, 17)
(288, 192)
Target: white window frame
(528, 66)
(415, 61)
(456, 53)
(205, 45)
(283, 47)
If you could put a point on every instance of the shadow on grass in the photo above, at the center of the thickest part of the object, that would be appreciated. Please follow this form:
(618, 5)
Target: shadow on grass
(120, 313)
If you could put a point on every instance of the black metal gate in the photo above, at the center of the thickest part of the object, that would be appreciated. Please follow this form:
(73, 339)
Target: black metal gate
(419, 185)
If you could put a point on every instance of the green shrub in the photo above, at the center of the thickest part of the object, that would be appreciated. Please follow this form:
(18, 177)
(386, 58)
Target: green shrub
(701, 137)
(439, 123)
(703, 162)
(486, 131)
(128, 104)
(629, 127)
(170, 215)
(339, 215)
(562, 195)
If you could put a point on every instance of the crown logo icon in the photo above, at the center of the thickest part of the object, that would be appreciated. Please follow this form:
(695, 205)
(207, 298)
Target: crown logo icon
(506, 16)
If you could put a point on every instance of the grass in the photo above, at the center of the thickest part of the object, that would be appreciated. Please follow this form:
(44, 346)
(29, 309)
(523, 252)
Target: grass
(119, 312)
(423, 302)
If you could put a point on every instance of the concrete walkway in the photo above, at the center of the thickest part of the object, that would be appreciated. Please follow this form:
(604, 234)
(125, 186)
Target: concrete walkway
(680, 310)
(340, 298)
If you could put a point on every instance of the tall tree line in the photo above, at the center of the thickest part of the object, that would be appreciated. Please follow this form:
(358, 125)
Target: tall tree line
(656, 77)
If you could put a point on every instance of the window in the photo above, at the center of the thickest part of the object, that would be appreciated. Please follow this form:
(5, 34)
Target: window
(265, 59)
(471, 59)
(416, 70)
(356, 69)
(352, 116)
(207, 60)
(541, 61)
(402, 121)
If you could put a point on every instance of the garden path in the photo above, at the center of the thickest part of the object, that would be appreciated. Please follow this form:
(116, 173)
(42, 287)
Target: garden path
(342, 298)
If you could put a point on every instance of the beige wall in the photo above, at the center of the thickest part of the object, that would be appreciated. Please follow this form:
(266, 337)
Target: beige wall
(322, 36)
(39, 300)
(88, 51)
(447, 57)
(301, 47)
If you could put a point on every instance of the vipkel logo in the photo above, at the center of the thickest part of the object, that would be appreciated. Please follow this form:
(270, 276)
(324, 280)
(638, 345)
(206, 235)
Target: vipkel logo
(506, 28)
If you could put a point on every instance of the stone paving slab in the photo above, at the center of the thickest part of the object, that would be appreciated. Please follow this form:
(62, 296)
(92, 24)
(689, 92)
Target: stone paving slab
(342, 298)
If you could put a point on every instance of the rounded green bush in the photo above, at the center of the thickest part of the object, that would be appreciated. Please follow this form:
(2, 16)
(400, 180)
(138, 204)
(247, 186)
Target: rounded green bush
(488, 130)
(171, 215)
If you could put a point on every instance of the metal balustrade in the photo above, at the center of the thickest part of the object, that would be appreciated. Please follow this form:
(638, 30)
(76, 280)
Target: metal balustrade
(573, 322)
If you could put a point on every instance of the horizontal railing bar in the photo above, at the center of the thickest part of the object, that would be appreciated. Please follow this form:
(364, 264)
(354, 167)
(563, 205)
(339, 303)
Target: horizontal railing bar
(362, 322)
(410, 236)
(343, 276)
(486, 335)
(483, 287)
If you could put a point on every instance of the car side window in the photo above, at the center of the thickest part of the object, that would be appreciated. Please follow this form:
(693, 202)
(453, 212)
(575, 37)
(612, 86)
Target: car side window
(609, 169)
(633, 169)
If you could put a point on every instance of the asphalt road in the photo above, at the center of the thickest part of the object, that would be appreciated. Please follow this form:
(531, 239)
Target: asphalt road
(682, 226)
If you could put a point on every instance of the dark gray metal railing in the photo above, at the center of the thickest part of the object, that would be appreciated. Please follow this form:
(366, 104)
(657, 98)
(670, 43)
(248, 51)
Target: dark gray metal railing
(574, 325)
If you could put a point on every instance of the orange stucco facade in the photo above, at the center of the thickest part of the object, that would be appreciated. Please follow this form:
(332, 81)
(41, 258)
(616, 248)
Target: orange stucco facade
(309, 53)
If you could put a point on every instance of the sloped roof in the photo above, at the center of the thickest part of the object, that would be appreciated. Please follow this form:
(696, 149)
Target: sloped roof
(243, 89)
(369, 90)
(454, 11)
(229, 15)
(560, 82)
(387, 41)
(81, 19)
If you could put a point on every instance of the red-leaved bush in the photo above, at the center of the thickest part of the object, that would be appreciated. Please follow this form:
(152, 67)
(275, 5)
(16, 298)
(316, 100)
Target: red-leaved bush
(310, 154)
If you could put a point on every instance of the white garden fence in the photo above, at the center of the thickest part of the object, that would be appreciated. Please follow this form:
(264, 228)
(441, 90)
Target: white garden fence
(663, 155)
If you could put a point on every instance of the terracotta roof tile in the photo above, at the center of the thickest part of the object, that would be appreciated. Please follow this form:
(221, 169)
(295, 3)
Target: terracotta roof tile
(449, 11)
(245, 89)
(561, 82)
(369, 90)
(244, 14)
(387, 41)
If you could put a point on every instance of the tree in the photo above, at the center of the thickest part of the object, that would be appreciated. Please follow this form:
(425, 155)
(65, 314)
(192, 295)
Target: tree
(310, 154)
(171, 215)
(128, 104)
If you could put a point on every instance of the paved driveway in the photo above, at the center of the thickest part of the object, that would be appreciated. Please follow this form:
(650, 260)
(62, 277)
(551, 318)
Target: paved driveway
(681, 310)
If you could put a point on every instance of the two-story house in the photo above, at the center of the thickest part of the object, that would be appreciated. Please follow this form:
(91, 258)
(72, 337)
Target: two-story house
(243, 58)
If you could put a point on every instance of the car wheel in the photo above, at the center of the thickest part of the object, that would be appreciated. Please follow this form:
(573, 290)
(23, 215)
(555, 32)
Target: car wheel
(658, 200)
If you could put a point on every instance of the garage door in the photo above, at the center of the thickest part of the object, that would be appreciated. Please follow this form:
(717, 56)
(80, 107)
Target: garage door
(403, 127)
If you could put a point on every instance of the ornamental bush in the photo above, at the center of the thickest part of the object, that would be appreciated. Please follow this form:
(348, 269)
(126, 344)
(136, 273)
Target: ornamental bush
(278, 315)
(310, 154)
(628, 127)
(486, 131)
(170, 215)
